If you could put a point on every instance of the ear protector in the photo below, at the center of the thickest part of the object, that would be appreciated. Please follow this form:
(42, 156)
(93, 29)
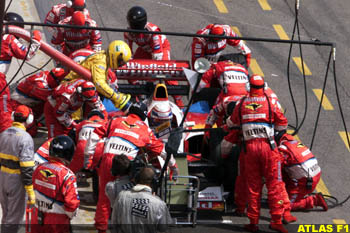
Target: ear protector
(80, 89)
(29, 119)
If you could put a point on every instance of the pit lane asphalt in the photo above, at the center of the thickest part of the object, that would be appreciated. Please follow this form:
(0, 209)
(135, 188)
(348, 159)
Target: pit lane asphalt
(325, 21)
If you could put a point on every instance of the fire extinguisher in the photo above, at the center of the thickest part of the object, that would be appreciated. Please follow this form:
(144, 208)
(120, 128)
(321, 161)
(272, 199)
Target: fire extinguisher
(29, 212)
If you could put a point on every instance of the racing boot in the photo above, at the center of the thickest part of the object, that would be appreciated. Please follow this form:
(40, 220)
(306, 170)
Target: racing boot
(289, 218)
(121, 101)
(320, 201)
(278, 227)
(251, 227)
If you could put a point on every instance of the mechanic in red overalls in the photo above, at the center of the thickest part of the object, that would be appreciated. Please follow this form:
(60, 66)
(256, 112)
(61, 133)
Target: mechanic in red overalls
(12, 47)
(212, 48)
(256, 117)
(301, 173)
(63, 10)
(72, 39)
(151, 46)
(65, 100)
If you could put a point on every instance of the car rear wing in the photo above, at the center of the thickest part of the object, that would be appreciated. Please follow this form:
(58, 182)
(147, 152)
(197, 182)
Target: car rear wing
(146, 72)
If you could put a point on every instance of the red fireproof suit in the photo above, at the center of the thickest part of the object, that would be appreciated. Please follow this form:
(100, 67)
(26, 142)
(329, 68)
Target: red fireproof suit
(34, 90)
(212, 50)
(151, 46)
(298, 164)
(10, 47)
(62, 103)
(74, 39)
(59, 12)
(257, 118)
(126, 135)
(56, 196)
(84, 131)
(42, 153)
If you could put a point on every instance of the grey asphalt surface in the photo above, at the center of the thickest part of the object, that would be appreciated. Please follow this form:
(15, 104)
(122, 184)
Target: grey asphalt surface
(326, 21)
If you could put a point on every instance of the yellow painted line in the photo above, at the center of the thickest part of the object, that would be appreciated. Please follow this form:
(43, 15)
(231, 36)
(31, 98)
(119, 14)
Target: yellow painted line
(341, 225)
(255, 68)
(321, 187)
(343, 136)
(297, 61)
(290, 131)
(326, 104)
(264, 5)
(339, 221)
(221, 6)
(280, 32)
(236, 30)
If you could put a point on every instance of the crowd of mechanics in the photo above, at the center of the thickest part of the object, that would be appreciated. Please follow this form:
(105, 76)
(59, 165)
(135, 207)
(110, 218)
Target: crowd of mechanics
(247, 110)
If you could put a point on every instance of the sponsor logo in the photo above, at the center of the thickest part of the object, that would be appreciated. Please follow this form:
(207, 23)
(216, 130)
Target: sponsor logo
(253, 106)
(119, 147)
(255, 131)
(43, 204)
(136, 68)
(47, 174)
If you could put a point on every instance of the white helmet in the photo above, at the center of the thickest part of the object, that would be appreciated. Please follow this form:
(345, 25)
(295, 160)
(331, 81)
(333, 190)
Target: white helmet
(160, 113)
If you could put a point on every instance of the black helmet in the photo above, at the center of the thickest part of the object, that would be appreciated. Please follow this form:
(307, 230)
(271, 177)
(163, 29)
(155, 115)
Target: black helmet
(62, 147)
(140, 109)
(14, 17)
(137, 18)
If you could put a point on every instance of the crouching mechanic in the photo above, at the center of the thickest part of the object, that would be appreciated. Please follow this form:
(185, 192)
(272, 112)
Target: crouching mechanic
(17, 163)
(83, 131)
(34, 90)
(128, 135)
(57, 199)
(118, 53)
(138, 210)
(301, 173)
(65, 100)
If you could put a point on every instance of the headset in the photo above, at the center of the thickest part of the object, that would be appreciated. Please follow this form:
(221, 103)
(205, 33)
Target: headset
(29, 119)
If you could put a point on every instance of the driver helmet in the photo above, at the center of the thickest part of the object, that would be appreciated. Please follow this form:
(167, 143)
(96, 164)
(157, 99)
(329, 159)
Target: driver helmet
(160, 114)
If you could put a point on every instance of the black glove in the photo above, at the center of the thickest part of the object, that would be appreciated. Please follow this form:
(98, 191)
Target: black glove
(174, 140)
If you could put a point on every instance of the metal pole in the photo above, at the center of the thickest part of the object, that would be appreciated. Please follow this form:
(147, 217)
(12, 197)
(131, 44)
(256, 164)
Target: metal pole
(2, 14)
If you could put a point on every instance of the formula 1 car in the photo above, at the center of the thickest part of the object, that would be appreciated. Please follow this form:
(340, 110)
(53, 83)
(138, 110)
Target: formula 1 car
(199, 186)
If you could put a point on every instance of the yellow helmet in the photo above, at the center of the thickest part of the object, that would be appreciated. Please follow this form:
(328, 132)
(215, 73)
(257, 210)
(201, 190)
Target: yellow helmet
(118, 53)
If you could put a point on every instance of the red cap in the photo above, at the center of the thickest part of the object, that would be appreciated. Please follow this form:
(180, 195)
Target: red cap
(78, 18)
(257, 85)
(22, 111)
(217, 30)
(78, 4)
